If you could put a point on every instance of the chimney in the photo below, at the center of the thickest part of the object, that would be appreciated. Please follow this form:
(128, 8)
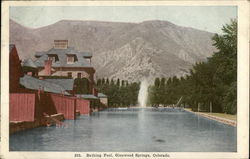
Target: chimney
(60, 44)
(47, 67)
(29, 73)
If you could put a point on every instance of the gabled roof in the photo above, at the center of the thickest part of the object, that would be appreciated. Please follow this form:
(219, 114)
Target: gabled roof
(101, 95)
(67, 84)
(29, 63)
(62, 56)
(86, 96)
(36, 84)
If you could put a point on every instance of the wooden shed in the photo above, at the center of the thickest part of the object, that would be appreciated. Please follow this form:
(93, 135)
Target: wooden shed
(15, 69)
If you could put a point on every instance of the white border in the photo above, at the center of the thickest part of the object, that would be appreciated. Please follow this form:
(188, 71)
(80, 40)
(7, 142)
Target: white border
(243, 76)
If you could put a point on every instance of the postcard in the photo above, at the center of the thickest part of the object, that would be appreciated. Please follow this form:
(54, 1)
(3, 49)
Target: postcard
(125, 79)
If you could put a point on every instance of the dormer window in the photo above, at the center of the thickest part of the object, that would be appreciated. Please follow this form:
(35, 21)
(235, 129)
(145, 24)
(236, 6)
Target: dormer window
(53, 57)
(87, 56)
(71, 59)
(89, 60)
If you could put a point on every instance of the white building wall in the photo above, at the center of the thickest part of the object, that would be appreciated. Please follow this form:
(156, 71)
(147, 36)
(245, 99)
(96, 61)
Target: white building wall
(104, 101)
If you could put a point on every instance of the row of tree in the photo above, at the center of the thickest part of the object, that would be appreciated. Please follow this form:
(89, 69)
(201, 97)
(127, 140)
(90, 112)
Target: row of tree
(209, 84)
(120, 93)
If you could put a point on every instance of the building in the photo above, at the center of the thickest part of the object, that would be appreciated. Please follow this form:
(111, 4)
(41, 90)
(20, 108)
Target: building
(30, 97)
(15, 69)
(65, 61)
(66, 84)
(40, 87)
(29, 67)
(62, 60)
(103, 99)
(32, 83)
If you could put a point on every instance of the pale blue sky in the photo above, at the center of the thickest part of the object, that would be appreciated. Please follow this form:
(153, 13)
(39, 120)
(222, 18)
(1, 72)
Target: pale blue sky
(208, 18)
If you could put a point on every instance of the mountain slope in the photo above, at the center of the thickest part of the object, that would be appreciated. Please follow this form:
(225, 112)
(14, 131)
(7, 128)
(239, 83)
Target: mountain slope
(129, 51)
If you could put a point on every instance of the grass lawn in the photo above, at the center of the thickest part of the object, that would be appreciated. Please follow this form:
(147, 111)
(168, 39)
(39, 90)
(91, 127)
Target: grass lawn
(222, 115)
(225, 116)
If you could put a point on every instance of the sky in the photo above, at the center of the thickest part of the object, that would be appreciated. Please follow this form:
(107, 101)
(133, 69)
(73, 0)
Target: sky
(208, 18)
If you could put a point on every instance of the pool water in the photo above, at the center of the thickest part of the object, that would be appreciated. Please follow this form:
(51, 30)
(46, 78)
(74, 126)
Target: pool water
(131, 130)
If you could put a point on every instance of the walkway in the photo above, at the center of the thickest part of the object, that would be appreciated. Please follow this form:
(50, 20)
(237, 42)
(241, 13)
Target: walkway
(230, 120)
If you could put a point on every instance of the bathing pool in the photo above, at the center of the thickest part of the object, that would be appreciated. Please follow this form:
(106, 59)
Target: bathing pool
(131, 130)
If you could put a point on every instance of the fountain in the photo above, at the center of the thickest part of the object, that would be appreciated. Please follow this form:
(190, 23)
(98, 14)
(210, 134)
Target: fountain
(143, 93)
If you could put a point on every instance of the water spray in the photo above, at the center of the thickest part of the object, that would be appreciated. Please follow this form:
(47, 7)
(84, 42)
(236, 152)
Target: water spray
(143, 93)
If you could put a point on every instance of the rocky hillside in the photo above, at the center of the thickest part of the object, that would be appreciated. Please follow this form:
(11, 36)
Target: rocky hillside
(129, 51)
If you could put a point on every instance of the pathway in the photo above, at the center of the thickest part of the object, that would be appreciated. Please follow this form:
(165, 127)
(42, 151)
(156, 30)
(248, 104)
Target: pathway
(217, 116)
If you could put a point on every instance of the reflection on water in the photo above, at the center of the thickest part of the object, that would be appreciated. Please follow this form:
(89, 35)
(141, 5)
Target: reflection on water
(131, 130)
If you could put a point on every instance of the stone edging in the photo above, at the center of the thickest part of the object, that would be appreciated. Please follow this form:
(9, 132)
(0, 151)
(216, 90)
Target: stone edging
(219, 119)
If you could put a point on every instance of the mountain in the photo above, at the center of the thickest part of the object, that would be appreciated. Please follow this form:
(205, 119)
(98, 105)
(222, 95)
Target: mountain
(129, 51)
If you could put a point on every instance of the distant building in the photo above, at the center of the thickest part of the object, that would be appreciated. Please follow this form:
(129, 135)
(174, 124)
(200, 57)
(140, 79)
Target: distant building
(32, 96)
(103, 98)
(65, 61)
(66, 84)
(57, 86)
(62, 60)
(59, 67)
(29, 68)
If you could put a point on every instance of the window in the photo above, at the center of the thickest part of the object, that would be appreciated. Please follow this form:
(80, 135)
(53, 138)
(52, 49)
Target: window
(79, 75)
(88, 59)
(52, 58)
(70, 74)
(70, 59)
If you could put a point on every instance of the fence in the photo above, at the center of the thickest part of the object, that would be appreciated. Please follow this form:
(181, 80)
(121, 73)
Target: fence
(46, 104)
(28, 106)
(22, 106)
(65, 105)
(83, 106)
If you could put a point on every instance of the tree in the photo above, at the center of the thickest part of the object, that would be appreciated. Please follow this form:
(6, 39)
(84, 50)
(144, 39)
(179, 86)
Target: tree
(213, 82)
(124, 95)
(107, 81)
(99, 82)
(118, 82)
(157, 82)
(162, 83)
(112, 82)
(123, 83)
(226, 60)
(103, 81)
(82, 86)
